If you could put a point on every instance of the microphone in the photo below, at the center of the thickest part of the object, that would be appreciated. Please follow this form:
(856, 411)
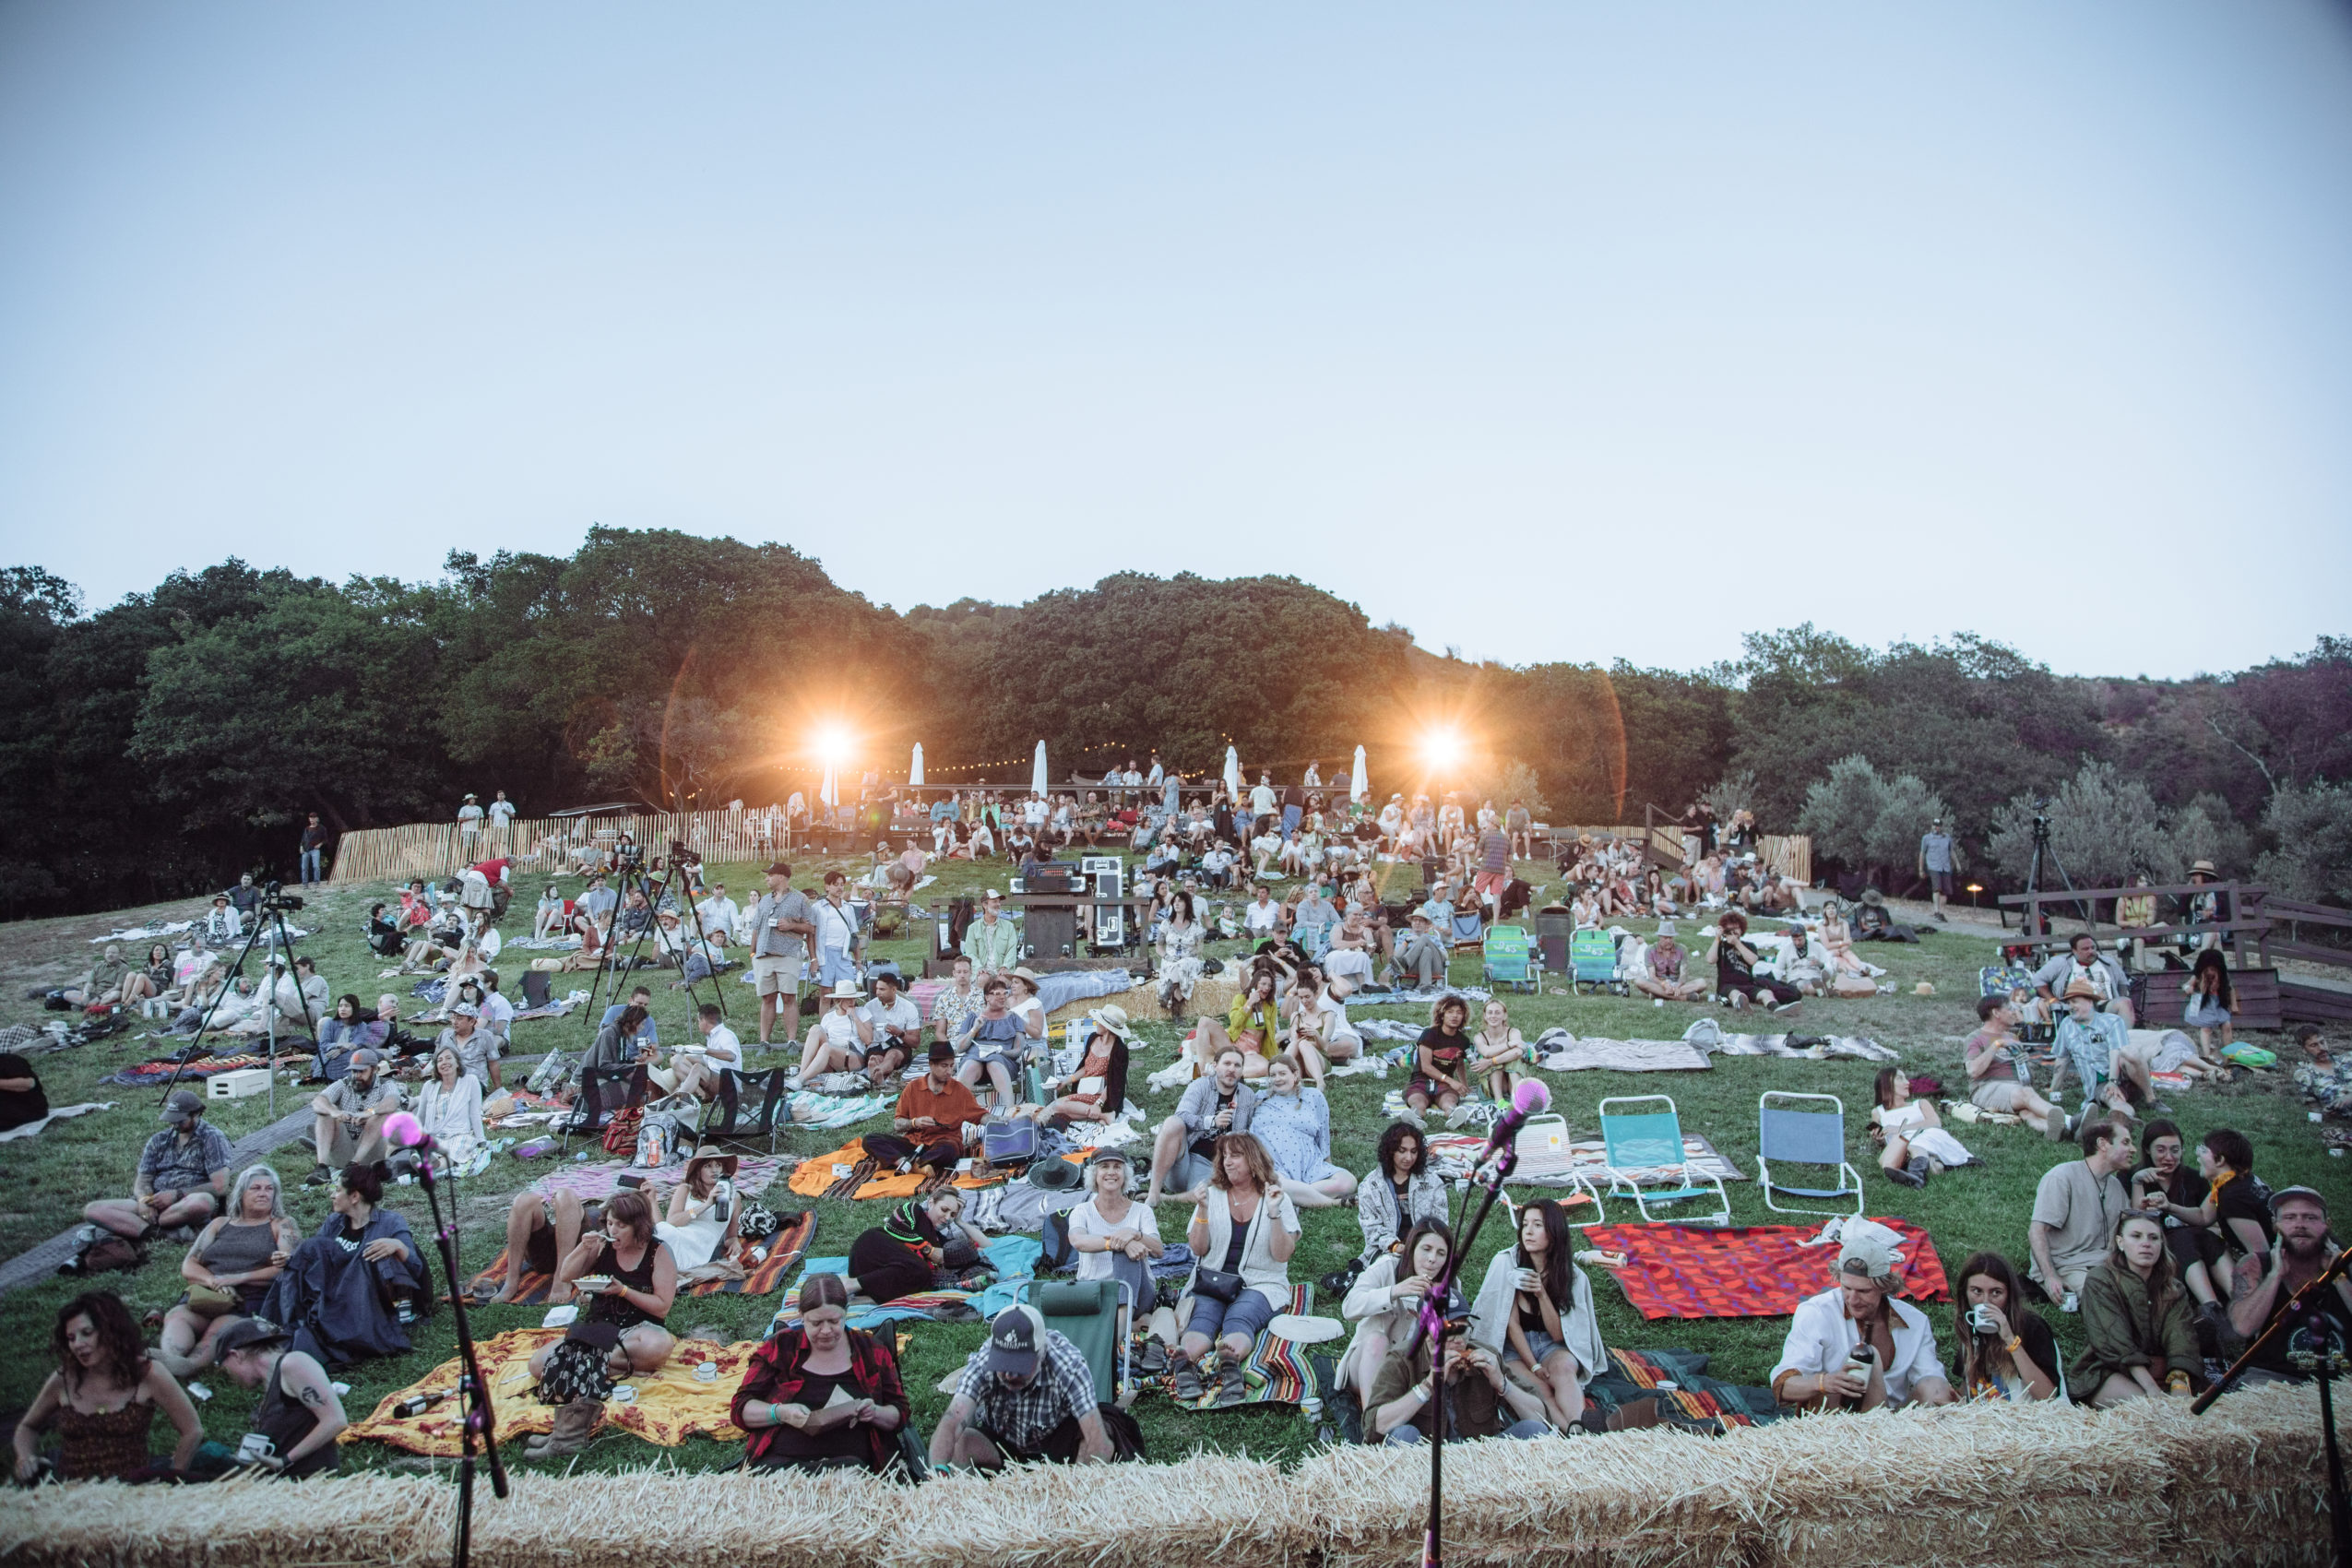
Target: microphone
(1531, 1095)
(405, 1130)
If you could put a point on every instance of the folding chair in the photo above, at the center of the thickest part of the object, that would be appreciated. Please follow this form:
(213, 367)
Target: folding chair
(1646, 1146)
(1509, 958)
(1086, 1314)
(1804, 1138)
(590, 1100)
(735, 1088)
(1592, 961)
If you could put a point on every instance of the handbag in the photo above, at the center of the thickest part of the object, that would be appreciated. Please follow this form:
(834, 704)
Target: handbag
(1222, 1284)
(211, 1301)
(1008, 1142)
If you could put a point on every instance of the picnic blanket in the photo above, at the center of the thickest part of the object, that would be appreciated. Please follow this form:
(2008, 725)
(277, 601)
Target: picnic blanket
(1636, 1374)
(148, 1074)
(554, 1008)
(1277, 1371)
(763, 1267)
(1708, 1035)
(32, 1129)
(817, 1175)
(1453, 1154)
(670, 1405)
(1560, 1052)
(591, 1183)
(141, 932)
(806, 1107)
(1372, 996)
(1014, 1259)
(1744, 1270)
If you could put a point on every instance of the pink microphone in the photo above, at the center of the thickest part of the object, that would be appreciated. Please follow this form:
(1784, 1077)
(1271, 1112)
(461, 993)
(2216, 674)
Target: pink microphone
(409, 1133)
(1531, 1095)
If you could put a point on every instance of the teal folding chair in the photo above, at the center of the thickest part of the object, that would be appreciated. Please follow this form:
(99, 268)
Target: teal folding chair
(1804, 1136)
(1087, 1314)
(1647, 1162)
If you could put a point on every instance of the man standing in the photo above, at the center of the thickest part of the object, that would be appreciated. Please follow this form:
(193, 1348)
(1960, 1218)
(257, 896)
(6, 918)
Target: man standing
(1494, 867)
(347, 1118)
(1186, 1142)
(1028, 1396)
(1294, 808)
(182, 1176)
(2260, 1294)
(992, 942)
(1938, 860)
(469, 823)
(781, 923)
(1262, 802)
(502, 810)
(2076, 1208)
(313, 850)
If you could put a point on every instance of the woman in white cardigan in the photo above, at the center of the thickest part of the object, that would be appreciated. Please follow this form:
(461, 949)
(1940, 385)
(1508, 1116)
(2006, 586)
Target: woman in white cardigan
(1535, 1311)
(450, 1108)
(1384, 1303)
(1244, 1226)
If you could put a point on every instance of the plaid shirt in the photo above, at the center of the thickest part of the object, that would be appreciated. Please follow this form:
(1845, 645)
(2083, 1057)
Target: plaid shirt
(1024, 1417)
(170, 1166)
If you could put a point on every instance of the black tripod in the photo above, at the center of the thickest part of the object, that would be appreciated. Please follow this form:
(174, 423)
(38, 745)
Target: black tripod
(634, 876)
(479, 1425)
(2324, 1359)
(2044, 854)
(1435, 1323)
(274, 905)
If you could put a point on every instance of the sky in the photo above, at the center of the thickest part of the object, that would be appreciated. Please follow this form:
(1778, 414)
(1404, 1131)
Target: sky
(1550, 332)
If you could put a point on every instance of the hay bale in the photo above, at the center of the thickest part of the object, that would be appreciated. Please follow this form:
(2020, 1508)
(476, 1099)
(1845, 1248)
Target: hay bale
(830, 1520)
(1209, 1508)
(1211, 994)
(248, 1522)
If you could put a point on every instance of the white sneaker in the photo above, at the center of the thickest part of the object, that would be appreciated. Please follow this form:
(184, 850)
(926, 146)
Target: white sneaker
(1739, 1001)
(2073, 1303)
(1415, 1117)
(1459, 1114)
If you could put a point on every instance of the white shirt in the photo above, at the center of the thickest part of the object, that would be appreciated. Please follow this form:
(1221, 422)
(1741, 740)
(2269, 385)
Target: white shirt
(1033, 812)
(1821, 1335)
(724, 1048)
(1087, 1220)
(837, 927)
(1262, 799)
(900, 1015)
(502, 811)
(1265, 915)
(468, 814)
(1334, 1017)
(497, 1012)
(490, 942)
(720, 916)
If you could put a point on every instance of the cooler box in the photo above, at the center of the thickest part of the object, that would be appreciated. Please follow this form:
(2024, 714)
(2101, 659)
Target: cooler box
(238, 1084)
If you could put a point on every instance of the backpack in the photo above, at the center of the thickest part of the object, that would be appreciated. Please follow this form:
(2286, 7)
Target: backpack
(1008, 1142)
(99, 1250)
(553, 1071)
(1059, 1253)
(621, 1133)
(660, 1140)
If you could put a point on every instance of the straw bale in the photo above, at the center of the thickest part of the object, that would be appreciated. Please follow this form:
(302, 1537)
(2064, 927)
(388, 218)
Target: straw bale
(791, 1520)
(352, 1523)
(1207, 1508)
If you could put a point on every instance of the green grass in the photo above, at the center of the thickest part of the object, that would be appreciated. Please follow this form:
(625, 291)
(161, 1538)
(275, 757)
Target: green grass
(48, 1179)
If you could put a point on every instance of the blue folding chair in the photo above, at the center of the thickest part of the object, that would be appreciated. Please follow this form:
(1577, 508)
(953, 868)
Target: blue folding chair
(1647, 1162)
(1814, 1137)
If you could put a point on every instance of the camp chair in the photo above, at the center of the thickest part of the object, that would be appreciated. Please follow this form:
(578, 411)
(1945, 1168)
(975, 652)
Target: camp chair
(594, 1106)
(1510, 959)
(1468, 929)
(1804, 1138)
(1592, 961)
(734, 1121)
(1646, 1146)
(1313, 940)
(1087, 1314)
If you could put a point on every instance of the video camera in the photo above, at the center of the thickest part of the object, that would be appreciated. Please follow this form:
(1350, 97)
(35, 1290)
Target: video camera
(681, 856)
(275, 898)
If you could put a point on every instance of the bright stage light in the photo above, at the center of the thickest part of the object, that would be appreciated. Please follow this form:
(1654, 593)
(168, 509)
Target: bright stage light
(1441, 748)
(833, 744)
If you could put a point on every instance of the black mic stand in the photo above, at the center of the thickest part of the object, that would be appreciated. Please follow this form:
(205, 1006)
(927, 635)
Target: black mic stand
(479, 1423)
(1490, 1176)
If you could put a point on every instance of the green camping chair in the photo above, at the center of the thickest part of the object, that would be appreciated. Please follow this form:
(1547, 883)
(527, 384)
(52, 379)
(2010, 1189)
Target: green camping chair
(1511, 959)
(1592, 961)
(1087, 1314)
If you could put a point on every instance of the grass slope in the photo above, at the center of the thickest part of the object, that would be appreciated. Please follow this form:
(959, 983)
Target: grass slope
(48, 1179)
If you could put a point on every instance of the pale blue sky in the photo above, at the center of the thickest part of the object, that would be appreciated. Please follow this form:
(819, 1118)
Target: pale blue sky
(1551, 332)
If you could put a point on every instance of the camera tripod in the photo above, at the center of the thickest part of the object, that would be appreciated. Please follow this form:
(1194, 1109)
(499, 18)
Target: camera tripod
(634, 876)
(2045, 855)
(272, 912)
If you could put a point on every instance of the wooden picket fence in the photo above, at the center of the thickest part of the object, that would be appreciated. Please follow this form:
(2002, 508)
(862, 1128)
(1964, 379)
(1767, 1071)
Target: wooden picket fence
(547, 845)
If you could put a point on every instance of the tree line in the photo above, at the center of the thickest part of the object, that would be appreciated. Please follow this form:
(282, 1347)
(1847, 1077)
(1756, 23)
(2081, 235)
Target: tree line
(163, 744)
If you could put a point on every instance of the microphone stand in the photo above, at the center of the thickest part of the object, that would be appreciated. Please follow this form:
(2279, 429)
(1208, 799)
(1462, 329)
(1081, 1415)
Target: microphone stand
(479, 1423)
(1497, 1170)
(2301, 1308)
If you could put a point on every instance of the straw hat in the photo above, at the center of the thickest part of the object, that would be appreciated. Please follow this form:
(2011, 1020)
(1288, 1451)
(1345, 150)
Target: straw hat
(1024, 973)
(709, 1154)
(845, 991)
(1114, 1017)
(2081, 988)
(2204, 866)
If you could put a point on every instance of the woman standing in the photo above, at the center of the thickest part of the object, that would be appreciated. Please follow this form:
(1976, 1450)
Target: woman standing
(1496, 1052)
(1441, 1074)
(104, 1399)
(1915, 1139)
(1293, 1121)
(1536, 1307)
(820, 1395)
(2139, 1342)
(450, 1108)
(703, 1210)
(229, 1269)
(2004, 1349)
(1384, 1302)
(1242, 1234)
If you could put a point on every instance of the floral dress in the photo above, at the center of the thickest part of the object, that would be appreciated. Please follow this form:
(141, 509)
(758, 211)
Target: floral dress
(1296, 1131)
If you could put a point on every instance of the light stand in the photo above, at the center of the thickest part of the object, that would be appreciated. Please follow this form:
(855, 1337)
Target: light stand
(2301, 1308)
(480, 1424)
(1498, 1169)
(271, 907)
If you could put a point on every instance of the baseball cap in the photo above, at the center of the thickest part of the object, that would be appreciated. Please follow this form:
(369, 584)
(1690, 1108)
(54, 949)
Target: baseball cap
(1867, 1254)
(181, 1106)
(365, 1056)
(2283, 1194)
(248, 1334)
(1016, 1338)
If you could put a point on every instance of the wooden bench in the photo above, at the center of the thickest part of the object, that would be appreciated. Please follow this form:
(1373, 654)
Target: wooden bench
(2258, 999)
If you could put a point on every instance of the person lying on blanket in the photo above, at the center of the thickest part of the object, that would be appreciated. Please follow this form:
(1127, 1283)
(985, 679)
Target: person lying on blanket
(1821, 1363)
(631, 1278)
(818, 1394)
(924, 1245)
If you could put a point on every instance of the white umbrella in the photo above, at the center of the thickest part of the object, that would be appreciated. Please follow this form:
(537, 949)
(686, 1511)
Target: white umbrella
(1232, 771)
(830, 790)
(1358, 788)
(1036, 771)
(915, 774)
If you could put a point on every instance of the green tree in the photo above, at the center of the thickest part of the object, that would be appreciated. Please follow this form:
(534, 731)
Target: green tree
(2312, 825)
(1842, 810)
(2105, 828)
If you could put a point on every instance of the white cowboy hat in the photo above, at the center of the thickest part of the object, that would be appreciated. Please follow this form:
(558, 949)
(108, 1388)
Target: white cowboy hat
(1114, 1017)
(845, 991)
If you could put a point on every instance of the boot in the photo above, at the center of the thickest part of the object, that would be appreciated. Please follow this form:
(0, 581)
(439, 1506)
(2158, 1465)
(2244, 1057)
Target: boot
(574, 1426)
(1184, 1384)
(1232, 1389)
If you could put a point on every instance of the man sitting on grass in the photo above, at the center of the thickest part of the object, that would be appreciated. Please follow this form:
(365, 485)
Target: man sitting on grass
(2075, 1206)
(182, 1175)
(1997, 1071)
(346, 1117)
(1027, 1396)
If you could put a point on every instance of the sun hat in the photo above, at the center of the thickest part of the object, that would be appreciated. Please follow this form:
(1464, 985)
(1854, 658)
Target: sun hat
(1665, 928)
(845, 991)
(2204, 866)
(1872, 895)
(1112, 1016)
(707, 1154)
(1027, 973)
(2081, 988)
(1054, 1175)
(1015, 1337)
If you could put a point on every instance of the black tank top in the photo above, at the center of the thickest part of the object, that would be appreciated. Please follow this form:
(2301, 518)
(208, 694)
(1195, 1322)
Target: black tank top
(286, 1422)
(616, 1309)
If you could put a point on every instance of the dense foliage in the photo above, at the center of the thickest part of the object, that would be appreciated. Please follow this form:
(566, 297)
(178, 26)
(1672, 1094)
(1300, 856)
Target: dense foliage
(163, 743)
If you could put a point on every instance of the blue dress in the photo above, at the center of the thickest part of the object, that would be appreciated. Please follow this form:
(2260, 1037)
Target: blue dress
(1296, 1131)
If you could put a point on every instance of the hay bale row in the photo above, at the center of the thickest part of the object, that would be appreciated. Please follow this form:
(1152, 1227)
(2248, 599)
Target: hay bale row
(2041, 1484)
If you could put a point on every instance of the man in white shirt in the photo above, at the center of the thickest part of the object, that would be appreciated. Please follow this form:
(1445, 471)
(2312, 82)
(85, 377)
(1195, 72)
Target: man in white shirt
(1158, 772)
(890, 1026)
(720, 915)
(1815, 1367)
(497, 1012)
(502, 810)
(696, 1069)
(1263, 916)
(1262, 797)
(1033, 812)
(469, 820)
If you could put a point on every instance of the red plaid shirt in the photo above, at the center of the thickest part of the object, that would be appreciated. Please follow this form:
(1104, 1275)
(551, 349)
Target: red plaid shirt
(777, 1374)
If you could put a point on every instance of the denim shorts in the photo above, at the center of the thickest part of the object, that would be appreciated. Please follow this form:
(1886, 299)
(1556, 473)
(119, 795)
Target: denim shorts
(1541, 1345)
(1245, 1316)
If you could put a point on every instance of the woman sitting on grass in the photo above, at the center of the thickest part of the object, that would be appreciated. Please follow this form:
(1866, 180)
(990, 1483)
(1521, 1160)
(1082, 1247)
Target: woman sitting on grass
(1916, 1141)
(2165, 1186)
(1384, 1302)
(634, 1280)
(1496, 1052)
(819, 1394)
(2004, 1349)
(2139, 1341)
(1536, 1309)
(1243, 1227)
(229, 1269)
(924, 1244)
(102, 1400)
(1293, 1121)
